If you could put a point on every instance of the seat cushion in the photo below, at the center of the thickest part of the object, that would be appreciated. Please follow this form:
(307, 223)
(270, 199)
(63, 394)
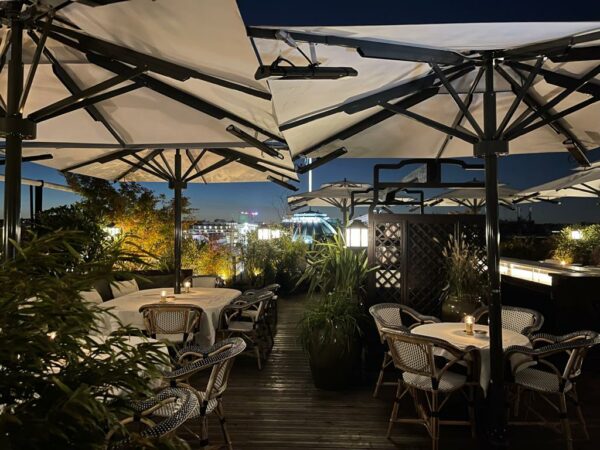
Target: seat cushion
(250, 313)
(450, 381)
(238, 325)
(121, 288)
(539, 380)
(91, 296)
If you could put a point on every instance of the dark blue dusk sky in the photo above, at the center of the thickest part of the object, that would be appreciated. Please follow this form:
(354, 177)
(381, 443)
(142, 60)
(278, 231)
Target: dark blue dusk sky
(227, 200)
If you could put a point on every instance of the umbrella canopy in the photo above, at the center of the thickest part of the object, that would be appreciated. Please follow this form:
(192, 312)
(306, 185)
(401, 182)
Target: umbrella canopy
(135, 91)
(409, 77)
(581, 183)
(472, 198)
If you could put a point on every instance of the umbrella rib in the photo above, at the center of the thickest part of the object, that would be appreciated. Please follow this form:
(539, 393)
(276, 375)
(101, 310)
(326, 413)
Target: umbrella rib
(460, 116)
(5, 48)
(461, 105)
(69, 83)
(142, 168)
(556, 100)
(210, 168)
(166, 163)
(463, 135)
(102, 159)
(251, 162)
(369, 101)
(85, 94)
(558, 79)
(91, 101)
(154, 164)
(131, 170)
(578, 150)
(552, 118)
(87, 43)
(519, 97)
(405, 103)
(36, 60)
(193, 162)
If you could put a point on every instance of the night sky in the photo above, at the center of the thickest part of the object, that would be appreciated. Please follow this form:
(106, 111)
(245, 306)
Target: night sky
(227, 200)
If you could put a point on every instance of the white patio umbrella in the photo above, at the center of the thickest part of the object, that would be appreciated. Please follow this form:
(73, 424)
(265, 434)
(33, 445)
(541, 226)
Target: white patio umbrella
(344, 195)
(581, 183)
(443, 90)
(113, 91)
(473, 199)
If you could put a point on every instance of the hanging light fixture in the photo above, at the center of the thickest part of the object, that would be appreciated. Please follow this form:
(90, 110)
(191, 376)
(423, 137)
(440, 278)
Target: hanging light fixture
(357, 235)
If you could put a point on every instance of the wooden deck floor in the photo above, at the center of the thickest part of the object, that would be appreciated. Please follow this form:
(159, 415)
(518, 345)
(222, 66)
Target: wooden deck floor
(279, 408)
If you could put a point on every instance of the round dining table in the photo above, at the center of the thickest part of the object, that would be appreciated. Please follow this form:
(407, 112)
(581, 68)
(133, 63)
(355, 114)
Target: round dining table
(212, 301)
(454, 333)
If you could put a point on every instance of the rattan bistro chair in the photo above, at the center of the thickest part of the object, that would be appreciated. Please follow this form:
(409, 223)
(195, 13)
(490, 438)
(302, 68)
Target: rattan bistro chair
(269, 321)
(158, 416)
(414, 356)
(521, 320)
(193, 360)
(552, 370)
(178, 322)
(233, 323)
(394, 316)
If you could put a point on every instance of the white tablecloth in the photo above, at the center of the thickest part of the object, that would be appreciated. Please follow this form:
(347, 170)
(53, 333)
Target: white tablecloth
(211, 300)
(453, 332)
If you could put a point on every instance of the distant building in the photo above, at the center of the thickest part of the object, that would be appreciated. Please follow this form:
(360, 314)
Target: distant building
(219, 230)
(309, 226)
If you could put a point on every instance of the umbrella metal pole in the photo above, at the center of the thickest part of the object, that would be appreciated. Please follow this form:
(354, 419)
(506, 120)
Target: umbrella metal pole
(490, 149)
(177, 186)
(14, 136)
(39, 201)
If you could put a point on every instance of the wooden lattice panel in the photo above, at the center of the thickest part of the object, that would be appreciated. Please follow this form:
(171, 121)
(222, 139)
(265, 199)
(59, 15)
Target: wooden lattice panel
(407, 249)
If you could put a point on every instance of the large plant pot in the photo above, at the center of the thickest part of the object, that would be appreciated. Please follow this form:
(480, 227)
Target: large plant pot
(333, 366)
(455, 308)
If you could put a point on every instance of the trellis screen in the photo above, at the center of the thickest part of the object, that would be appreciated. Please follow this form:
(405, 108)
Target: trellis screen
(408, 250)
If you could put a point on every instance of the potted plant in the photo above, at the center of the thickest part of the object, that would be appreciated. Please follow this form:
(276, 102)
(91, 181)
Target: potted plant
(331, 327)
(330, 333)
(466, 279)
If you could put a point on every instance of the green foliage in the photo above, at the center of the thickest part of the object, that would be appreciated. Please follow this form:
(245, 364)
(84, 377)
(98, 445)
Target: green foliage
(207, 258)
(59, 386)
(526, 247)
(268, 261)
(146, 218)
(466, 279)
(333, 267)
(76, 218)
(584, 251)
(334, 317)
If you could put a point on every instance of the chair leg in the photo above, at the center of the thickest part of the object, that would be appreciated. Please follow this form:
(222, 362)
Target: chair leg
(394, 415)
(221, 414)
(564, 418)
(517, 401)
(203, 432)
(580, 414)
(381, 373)
(471, 407)
(435, 421)
(258, 354)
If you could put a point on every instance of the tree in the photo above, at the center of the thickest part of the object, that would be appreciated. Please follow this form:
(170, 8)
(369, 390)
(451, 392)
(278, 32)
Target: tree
(141, 214)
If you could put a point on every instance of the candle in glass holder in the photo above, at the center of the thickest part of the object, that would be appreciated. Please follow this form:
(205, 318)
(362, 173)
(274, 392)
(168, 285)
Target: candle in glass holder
(186, 287)
(469, 322)
(163, 296)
